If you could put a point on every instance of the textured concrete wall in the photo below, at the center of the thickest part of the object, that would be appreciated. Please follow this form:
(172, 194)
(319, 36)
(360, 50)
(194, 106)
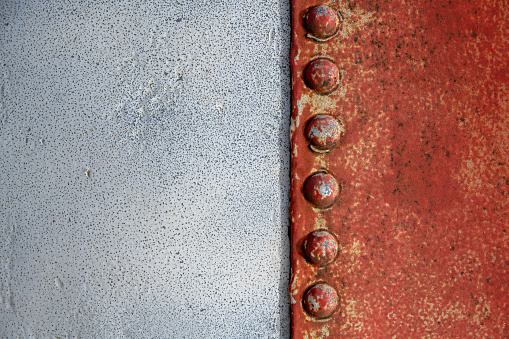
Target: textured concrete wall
(144, 169)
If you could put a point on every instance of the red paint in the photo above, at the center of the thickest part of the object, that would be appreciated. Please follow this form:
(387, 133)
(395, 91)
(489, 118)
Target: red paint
(322, 22)
(423, 170)
(320, 248)
(322, 75)
(321, 300)
(324, 132)
(321, 189)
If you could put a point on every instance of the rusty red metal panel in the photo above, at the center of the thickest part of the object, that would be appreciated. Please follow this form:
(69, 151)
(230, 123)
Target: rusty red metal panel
(400, 150)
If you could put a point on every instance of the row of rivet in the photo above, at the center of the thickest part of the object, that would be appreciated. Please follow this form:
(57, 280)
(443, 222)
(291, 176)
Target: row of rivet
(322, 132)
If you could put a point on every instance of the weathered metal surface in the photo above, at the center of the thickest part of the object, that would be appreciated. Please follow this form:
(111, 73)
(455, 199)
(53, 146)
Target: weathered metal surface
(321, 190)
(321, 22)
(320, 301)
(420, 204)
(324, 132)
(322, 75)
(320, 247)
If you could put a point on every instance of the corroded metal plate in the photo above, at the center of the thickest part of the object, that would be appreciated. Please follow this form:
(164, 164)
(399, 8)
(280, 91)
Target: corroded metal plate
(400, 151)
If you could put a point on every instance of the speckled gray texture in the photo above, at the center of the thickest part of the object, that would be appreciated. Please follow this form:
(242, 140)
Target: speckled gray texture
(144, 169)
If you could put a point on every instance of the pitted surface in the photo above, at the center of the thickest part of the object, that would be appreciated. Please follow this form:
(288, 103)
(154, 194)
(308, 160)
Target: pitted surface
(144, 173)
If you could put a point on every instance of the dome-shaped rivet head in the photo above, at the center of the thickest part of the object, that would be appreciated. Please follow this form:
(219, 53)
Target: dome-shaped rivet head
(321, 189)
(321, 300)
(324, 132)
(322, 76)
(320, 247)
(322, 22)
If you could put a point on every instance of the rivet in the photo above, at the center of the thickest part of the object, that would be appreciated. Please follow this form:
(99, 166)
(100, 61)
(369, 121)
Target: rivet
(324, 132)
(320, 247)
(321, 300)
(322, 22)
(322, 76)
(321, 189)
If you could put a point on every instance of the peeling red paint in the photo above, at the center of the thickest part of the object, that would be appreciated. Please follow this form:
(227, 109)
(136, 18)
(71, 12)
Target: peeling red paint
(321, 300)
(322, 22)
(320, 247)
(324, 132)
(322, 190)
(422, 216)
(322, 75)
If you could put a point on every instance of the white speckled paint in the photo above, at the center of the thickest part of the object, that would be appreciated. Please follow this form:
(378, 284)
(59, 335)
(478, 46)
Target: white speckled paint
(145, 169)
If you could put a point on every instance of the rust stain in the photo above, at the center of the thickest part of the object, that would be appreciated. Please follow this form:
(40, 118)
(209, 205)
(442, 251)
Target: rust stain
(421, 214)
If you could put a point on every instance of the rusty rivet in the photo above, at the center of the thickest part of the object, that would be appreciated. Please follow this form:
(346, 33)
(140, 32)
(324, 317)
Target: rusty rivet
(324, 132)
(322, 22)
(321, 300)
(321, 189)
(322, 76)
(320, 247)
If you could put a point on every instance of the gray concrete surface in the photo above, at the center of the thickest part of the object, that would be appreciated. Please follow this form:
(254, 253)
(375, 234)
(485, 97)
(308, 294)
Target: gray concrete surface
(144, 169)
